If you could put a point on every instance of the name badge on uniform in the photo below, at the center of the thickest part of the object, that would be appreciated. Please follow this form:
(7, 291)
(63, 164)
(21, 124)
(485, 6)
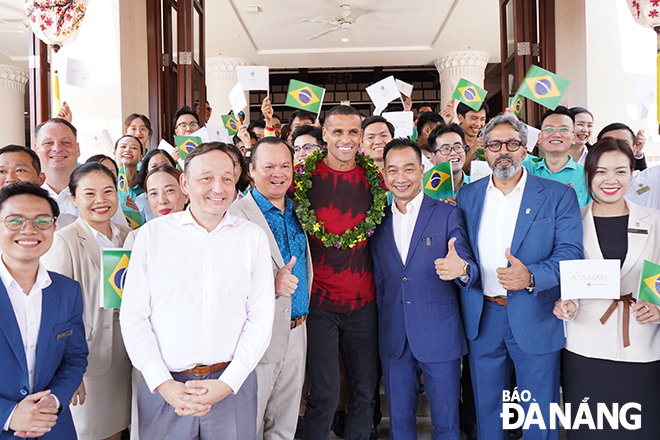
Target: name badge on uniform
(643, 190)
(63, 335)
(638, 231)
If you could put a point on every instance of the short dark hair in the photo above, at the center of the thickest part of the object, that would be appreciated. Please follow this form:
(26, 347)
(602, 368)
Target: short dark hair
(463, 109)
(259, 123)
(56, 121)
(578, 110)
(302, 114)
(36, 163)
(144, 168)
(428, 118)
(100, 158)
(143, 118)
(560, 110)
(402, 144)
(376, 119)
(29, 188)
(605, 145)
(130, 136)
(162, 168)
(271, 140)
(185, 110)
(85, 169)
(442, 129)
(342, 110)
(615, 126)
(311, 130)
(425, 104)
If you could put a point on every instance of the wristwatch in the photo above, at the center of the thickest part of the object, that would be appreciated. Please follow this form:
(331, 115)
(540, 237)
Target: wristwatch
(466, 270)
(532, 284)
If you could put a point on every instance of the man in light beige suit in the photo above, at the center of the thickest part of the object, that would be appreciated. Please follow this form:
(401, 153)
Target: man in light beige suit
(281, 371)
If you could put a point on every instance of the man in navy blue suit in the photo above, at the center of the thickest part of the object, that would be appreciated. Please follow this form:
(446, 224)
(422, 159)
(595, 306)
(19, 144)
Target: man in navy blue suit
(43, 353)
(520, 228)
(420, 253)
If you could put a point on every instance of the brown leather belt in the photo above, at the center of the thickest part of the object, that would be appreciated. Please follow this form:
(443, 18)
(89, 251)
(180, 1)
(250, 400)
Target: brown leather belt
(627, 301)
(499, 300)
(202, 370)
(298, 321)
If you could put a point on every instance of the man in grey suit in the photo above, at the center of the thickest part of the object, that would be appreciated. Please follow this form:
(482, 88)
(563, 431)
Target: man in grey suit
(281, 371)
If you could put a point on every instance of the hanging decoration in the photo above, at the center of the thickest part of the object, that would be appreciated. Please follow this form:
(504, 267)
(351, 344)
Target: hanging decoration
(56, 22)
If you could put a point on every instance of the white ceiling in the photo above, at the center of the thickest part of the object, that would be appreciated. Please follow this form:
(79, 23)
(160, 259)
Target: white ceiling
(389, 33)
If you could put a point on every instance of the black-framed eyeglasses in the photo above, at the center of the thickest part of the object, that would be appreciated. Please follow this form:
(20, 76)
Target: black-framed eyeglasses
(306, 147)
(446, 151)
(192, 125)
(512, 145)
(17, 222)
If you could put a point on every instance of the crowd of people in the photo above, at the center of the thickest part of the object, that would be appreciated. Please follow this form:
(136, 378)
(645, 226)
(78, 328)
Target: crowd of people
(277, 280)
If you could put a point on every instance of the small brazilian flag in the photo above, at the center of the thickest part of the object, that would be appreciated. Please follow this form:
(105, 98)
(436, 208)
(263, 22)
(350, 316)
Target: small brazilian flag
(481, 154)
(305, 96)
(543, 87)
(122, 184)
(113, 275)
(186, 144)
(438, 179)
(649, 283)
(469, 94)
(231, 124)
(517, 105)
(133, 218)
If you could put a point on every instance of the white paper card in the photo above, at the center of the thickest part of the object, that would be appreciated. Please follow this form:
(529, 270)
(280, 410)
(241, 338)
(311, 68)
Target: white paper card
(202, 133)
(644, 94)
(166, 146)
(532, 137)
(404, 87)
(402, 121)
(593, 279)
(384, 91)
(479, 169)
(237, 99)
(252, 77)
(79, 73)
(99, 140)
(217, 133)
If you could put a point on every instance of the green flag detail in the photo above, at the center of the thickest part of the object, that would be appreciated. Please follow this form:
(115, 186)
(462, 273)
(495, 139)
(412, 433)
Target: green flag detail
(185, 144)
(122, 185)
(649, 283)
(305, 96)
(438, 179)
(231, 124)
(113, 275)
(517, 105)
(133, 218)
(469, 94)
(543, 87)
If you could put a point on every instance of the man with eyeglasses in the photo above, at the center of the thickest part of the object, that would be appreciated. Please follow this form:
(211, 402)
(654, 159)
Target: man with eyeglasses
(42, 336)
(186, 121)
(447, 144)
(520, 228)
(555, 140)
(306, 139)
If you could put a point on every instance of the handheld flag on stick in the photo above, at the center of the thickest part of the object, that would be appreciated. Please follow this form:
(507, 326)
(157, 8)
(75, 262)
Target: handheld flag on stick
(122, 185)
(649, 283)
(113, 275)
(543, 87)
(516, 103)
(231, 124)
(438, 179)
(469, 94)
(186, 144)
(56, 92)
(305, 96)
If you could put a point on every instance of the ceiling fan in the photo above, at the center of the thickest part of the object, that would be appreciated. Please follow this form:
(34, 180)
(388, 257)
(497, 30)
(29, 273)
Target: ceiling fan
(346, 19)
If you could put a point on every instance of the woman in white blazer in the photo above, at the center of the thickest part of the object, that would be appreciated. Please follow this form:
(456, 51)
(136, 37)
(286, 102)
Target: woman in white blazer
(101, 406)
(612, 351)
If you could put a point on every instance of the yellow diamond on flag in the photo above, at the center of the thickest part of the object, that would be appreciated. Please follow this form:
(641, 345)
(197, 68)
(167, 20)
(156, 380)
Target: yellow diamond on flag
(436, 180)
(305, 96)
(118, 276)
(652, 282)
(542, 86)
(470, 94)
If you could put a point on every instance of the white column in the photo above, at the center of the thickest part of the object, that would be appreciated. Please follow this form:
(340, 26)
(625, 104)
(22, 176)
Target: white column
(469, 64)
(220, 79)
(12, 110)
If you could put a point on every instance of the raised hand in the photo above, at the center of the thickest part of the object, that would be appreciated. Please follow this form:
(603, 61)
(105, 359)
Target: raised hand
(452, 266)
(285, 282)
(516, 276)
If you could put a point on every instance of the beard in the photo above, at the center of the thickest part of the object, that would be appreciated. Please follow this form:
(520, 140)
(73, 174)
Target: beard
(504, 172)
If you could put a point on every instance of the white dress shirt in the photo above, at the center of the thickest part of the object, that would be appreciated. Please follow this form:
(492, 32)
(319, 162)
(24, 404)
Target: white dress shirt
(27, 309)
(498, 222)
(645, 188)
(404, 224)
(196, 297)
(101, 240)
(68, 211)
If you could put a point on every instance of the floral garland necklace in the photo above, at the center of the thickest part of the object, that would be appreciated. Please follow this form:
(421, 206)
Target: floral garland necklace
(310, 224)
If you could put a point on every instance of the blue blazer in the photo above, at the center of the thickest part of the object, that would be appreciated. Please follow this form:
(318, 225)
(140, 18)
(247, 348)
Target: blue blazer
(548, 230)
(413, 302)
(60, 364)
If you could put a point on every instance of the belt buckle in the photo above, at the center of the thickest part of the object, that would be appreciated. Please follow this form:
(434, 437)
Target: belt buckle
(198, 374)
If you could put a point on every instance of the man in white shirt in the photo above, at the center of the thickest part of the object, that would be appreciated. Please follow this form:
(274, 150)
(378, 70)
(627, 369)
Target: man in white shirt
(520, 226)
(197, 310)
(42, 337)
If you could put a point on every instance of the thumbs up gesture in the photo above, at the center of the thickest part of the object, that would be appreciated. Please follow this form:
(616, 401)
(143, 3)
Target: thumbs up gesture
(516, 276)
(452, 266)
(285, 282)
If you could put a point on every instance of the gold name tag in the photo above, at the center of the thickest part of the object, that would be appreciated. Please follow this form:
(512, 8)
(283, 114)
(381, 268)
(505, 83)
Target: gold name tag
(643, 190)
